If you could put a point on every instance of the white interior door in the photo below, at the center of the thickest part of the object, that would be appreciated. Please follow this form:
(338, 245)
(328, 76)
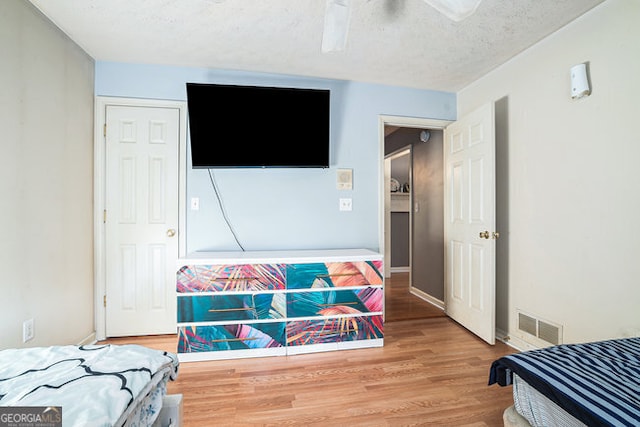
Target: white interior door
(141, 242)
(469, 157)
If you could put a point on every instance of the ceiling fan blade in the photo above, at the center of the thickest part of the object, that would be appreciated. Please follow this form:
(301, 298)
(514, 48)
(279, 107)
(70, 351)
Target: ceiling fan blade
(456, 10)
(336, 25)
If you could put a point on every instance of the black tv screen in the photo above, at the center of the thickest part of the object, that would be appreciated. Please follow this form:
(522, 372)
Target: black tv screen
(258, 127)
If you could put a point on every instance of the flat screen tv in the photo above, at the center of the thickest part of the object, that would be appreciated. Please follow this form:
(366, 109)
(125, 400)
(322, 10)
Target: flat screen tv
(258, 127)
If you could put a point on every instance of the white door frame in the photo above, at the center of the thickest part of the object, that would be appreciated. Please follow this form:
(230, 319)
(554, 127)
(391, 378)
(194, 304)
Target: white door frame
(383, 187)
(99, 191)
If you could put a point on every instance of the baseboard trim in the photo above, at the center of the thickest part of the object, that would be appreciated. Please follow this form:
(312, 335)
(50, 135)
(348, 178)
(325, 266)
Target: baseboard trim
(90, 339)
(514, 342)
(400, 269)
(426, 297)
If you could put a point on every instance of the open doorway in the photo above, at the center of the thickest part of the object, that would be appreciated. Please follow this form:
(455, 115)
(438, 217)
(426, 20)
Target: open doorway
(400, 209)
(418, 143)
(495, 313)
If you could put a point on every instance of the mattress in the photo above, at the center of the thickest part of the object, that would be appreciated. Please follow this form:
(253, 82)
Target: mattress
(95, 385)
(511, 418)
(538, 410)
(597, 383)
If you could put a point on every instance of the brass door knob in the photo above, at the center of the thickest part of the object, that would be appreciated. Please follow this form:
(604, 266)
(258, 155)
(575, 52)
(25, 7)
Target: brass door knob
(496, 235)
(171, 232)
(484, 234)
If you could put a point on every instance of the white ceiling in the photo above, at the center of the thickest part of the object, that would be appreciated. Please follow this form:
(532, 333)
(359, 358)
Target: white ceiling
(395, 42)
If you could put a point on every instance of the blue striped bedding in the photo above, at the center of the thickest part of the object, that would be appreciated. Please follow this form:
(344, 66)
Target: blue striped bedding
(598, 383)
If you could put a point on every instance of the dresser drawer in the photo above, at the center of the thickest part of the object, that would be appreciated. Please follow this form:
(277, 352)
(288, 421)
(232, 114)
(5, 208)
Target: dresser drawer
(332, 330)
(274, 303)
(240, 278)
(334, 302)
(334, 274)
(193, 339)
(228, 307)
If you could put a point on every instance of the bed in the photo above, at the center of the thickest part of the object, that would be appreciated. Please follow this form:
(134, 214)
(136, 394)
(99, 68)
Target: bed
(593, 384)
(94, 385)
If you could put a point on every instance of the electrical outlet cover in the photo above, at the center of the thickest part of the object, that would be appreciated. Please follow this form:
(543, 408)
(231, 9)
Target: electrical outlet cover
(27, 330)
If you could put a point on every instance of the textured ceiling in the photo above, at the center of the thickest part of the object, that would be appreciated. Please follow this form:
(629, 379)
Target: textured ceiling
(396, 42)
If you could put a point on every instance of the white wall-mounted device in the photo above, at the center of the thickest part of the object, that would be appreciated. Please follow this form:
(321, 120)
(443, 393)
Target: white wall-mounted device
(344, 178)
(579, 81)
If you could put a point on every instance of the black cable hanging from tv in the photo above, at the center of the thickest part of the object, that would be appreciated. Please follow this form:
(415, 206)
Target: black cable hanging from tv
(224, 213)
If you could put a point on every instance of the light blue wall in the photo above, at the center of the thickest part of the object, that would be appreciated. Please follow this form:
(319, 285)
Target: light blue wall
(279, 209)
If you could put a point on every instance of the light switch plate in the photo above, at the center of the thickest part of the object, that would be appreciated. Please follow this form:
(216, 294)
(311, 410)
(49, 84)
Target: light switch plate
(195, 203)
(346, 204)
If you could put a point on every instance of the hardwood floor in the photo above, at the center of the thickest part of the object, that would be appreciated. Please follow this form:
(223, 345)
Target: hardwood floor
(431, 371)
(400, 304)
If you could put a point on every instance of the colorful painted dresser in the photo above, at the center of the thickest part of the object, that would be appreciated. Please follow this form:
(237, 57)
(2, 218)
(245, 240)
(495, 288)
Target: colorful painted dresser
(275, 303)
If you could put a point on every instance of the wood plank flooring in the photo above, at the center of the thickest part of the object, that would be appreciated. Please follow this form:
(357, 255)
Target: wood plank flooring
(431, 371)
(400, 304)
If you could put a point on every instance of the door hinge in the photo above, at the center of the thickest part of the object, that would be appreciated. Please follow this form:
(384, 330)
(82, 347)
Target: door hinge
(104, 130)
(104, 216)
(104, 300)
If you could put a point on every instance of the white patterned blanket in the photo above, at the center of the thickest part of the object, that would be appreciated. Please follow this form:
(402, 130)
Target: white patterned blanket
(96, 385)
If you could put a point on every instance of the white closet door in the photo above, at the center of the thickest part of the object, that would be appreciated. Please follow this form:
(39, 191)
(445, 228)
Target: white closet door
(142, 146)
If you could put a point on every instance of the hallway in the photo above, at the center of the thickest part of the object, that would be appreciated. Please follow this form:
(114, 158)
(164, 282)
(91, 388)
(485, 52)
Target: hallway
(400, 304)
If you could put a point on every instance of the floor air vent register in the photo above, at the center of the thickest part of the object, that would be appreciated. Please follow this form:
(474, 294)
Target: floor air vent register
(546, 331)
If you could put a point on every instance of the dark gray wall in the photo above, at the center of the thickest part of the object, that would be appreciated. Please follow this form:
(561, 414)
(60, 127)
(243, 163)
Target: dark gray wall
(400, 239)
(428, 223)
(400, 139)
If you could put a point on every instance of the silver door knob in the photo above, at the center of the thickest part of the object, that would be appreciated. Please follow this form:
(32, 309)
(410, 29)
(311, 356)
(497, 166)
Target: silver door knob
(171, 232)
